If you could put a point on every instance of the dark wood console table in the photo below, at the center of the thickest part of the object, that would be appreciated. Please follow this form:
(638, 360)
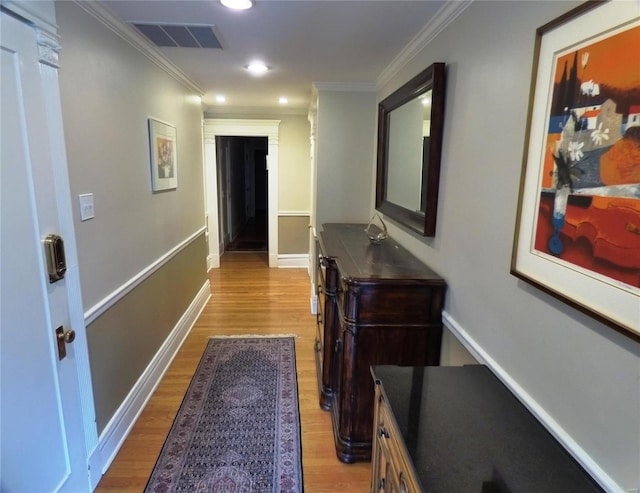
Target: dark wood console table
(459, 429)
(378, 305)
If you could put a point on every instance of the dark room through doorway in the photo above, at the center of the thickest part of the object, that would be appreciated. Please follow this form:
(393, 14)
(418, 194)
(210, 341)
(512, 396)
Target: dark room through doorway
(243, 192)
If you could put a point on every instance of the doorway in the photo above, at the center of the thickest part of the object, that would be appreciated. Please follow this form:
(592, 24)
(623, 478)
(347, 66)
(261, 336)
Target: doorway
(215, 217)
(243, 192)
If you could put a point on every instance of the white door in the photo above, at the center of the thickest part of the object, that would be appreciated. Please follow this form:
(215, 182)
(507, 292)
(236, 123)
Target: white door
(42, 445)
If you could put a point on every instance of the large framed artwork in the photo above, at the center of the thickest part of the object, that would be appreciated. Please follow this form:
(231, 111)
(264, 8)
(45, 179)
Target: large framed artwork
(577, 233)
(164, 156)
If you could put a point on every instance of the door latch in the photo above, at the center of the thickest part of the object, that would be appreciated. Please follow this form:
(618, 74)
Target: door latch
(63, 338)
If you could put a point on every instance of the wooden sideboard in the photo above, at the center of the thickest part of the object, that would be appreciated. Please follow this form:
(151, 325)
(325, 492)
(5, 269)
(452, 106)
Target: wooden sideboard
(458, 429)
(378, 305)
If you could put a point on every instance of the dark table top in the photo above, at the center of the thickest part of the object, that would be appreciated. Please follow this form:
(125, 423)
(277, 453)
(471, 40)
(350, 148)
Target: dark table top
(359, 258)
(466, 432)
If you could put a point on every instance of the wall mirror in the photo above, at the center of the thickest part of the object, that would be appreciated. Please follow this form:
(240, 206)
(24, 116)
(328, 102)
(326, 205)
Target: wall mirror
(410, 125)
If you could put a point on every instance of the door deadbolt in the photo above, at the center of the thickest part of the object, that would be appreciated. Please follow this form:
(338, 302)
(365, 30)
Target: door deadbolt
(56, 261)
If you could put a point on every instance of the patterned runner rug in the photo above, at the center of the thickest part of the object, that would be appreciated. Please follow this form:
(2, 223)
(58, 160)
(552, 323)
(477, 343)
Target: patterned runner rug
(238, 427)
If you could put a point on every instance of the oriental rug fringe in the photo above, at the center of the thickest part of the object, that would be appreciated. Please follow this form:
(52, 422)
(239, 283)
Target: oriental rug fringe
(238, 427)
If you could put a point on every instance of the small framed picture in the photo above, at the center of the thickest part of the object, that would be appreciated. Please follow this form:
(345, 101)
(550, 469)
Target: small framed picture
(164, 156)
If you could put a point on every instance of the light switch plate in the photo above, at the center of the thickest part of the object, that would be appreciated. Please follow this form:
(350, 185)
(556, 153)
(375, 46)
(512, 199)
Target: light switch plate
(86, 206)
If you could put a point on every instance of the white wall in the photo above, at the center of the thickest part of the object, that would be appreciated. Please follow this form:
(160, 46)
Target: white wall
(583, 376)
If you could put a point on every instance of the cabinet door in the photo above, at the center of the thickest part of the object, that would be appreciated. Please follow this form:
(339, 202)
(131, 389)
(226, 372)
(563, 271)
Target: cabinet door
(327, 322)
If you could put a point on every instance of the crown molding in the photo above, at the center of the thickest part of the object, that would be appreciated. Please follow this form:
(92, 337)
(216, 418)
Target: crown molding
(35, 13)
(345, 86)
(449, 11)
(139, 42)
(213, 111)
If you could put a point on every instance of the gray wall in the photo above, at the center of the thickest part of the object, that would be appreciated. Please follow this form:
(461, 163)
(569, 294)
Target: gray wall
(345, 150)
(293, 235)
(108, 90)
(584, 375)
(124, 339)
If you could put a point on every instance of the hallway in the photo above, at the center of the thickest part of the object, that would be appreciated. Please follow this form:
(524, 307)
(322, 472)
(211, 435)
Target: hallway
(253, 235)
(247, 298)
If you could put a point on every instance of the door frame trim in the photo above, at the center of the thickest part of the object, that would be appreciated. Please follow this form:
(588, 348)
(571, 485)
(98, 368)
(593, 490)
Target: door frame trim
(214, 127)
(62, 188)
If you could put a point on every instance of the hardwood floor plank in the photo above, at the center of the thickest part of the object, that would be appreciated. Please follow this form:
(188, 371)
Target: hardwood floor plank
(247, 298)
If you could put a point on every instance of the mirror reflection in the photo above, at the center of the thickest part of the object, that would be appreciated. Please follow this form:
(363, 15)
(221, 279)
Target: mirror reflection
(410, 125)
(409, 130)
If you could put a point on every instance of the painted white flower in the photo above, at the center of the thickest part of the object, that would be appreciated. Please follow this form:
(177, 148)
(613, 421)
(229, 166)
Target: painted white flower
(599, 135)
(575, 150)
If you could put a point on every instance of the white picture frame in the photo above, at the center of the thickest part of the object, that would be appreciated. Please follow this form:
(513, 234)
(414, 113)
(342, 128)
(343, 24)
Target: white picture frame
(570, 43)
(163, 154)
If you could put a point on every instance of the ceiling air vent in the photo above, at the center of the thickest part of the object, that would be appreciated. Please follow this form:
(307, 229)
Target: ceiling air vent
(180, 36)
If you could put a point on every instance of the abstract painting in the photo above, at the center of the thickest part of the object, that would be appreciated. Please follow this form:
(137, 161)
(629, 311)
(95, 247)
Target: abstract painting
(578, 228)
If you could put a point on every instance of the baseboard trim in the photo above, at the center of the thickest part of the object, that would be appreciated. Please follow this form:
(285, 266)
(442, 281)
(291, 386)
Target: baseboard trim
(284, 261)
(213, 262)
(577, 452)
(116, 431)
(295, 261)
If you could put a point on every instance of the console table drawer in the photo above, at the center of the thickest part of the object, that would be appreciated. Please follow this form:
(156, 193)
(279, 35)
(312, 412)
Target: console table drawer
(398, 474)
(393, 303)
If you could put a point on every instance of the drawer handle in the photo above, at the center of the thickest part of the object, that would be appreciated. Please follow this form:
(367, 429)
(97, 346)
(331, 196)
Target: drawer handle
(383, 433)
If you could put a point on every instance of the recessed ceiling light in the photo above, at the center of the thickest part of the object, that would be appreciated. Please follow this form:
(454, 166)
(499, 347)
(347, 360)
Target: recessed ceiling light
(257, 68)
(282, 100)
(237, 4)
(220, 98)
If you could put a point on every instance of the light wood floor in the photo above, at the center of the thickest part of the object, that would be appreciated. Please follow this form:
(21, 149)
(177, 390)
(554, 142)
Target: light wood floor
(247, 298)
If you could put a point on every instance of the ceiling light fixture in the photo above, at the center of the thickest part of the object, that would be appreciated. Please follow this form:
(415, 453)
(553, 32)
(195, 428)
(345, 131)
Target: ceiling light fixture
(257, 68)
(282, 100)
(237, 4)
(220, 98)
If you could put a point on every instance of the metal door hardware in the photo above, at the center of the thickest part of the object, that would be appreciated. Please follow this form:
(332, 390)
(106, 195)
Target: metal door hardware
(63, 338)
(56, 261)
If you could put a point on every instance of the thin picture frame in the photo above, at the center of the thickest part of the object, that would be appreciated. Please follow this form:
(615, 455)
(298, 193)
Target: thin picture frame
(572, 189)
(163, 153)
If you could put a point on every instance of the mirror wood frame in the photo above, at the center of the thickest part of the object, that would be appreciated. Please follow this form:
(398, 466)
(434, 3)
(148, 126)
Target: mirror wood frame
(432, 78)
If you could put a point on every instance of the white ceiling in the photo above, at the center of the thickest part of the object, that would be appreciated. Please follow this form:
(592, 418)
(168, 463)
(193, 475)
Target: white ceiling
(303, 41)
